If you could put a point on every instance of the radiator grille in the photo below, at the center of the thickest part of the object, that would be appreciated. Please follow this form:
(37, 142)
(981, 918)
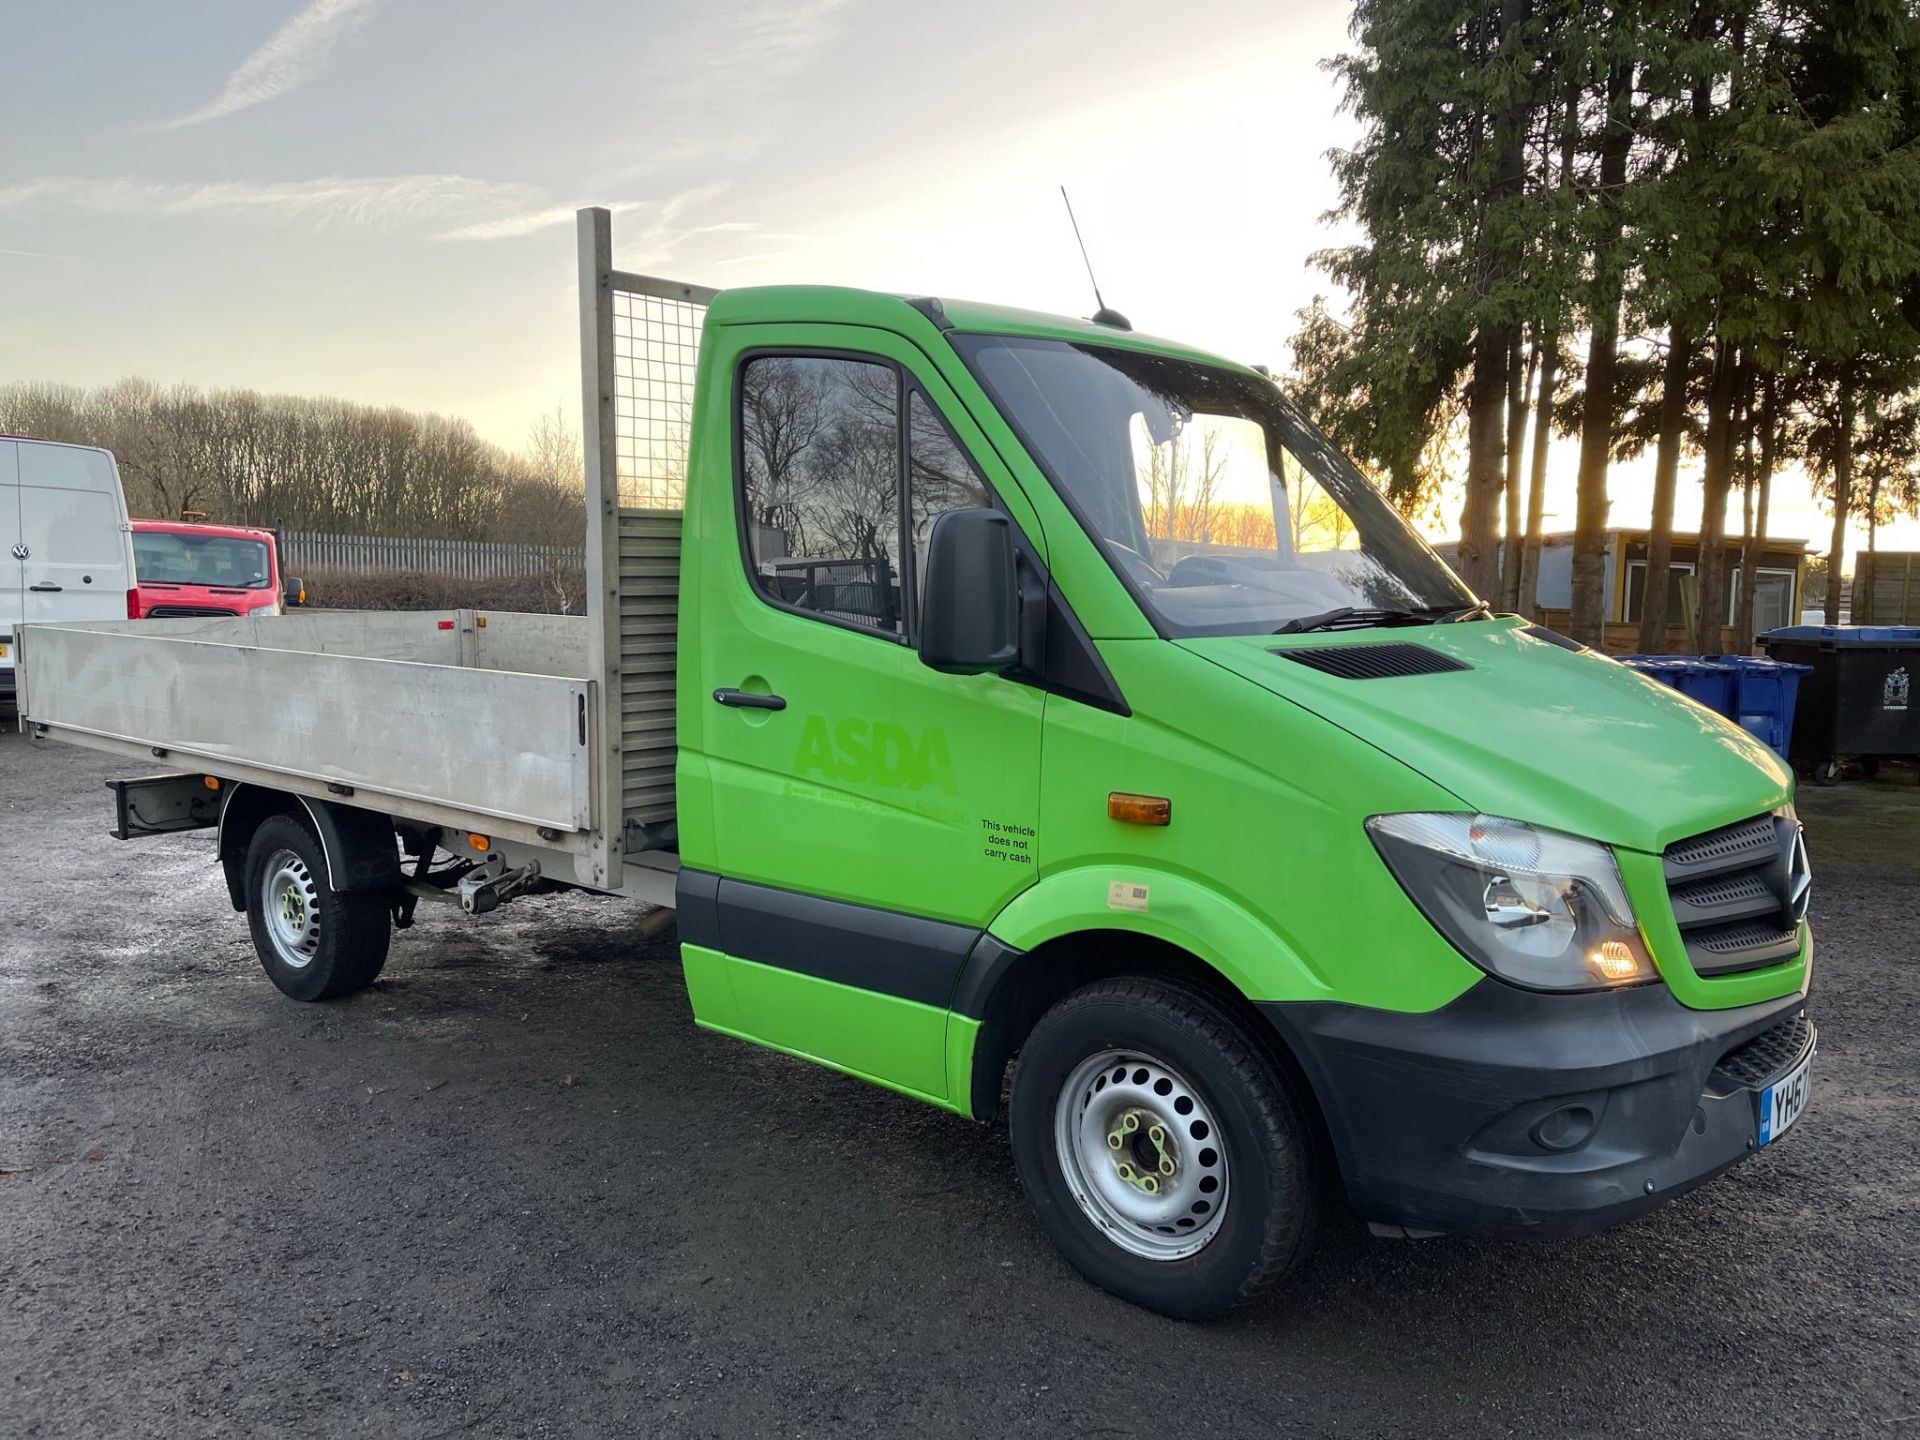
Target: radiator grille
(1730, 847)
(185, 612)
(1739, 894)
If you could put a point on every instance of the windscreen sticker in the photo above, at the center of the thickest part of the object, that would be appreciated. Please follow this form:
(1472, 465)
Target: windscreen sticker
(1010, 843)
(1126, 895)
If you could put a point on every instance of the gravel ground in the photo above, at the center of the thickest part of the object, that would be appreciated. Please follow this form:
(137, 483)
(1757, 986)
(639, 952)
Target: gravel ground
(513, 1191)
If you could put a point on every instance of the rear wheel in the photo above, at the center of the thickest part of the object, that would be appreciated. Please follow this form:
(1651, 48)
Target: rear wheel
(1164, 1153)
(314, 942)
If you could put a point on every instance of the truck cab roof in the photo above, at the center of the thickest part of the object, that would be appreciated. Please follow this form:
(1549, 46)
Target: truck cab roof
(194, 527)
(840, 305)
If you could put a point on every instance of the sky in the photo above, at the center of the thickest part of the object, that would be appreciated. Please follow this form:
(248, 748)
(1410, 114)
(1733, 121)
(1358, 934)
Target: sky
(373, 199)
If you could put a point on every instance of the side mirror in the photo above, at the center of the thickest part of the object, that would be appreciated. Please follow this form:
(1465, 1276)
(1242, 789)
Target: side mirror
(296, 593)
(970, 618)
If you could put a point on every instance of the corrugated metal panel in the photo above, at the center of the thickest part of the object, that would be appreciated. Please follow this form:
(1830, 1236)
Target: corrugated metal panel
(649, 613)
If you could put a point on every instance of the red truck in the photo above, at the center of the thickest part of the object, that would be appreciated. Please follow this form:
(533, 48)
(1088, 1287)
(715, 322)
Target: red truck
(189, 569)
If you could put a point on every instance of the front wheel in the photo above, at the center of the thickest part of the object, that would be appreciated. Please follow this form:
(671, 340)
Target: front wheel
(1163, 1152)
(315, 942)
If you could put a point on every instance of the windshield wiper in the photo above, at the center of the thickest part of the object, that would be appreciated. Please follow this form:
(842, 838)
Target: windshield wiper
(1357, 617)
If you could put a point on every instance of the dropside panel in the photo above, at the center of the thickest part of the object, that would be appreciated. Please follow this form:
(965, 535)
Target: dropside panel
(484, 742)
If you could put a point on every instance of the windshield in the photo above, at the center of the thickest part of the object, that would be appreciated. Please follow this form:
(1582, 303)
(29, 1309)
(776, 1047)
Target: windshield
(161, 558)
(1221, 506)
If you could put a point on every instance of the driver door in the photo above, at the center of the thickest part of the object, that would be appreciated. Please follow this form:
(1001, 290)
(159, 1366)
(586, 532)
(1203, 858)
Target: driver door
(870, 815)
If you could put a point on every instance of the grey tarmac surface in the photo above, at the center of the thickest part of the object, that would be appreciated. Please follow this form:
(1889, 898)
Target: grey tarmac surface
(513, 1191)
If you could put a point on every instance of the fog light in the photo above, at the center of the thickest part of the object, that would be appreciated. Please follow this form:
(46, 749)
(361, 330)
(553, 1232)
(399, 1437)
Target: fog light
(1612, 960)
(1567, 1128)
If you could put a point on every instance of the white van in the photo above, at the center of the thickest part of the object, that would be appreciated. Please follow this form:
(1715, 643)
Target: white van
(66, 549)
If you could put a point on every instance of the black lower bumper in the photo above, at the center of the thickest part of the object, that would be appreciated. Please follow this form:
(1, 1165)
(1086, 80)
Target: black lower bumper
(1513, 1113)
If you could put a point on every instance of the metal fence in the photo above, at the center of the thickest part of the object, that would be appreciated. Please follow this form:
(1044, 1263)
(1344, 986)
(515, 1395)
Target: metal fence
(467, 559)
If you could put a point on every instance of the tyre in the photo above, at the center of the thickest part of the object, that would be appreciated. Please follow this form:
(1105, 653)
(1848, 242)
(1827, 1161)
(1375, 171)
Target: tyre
(1826, 773)
(1163, 1152)
(314, 942)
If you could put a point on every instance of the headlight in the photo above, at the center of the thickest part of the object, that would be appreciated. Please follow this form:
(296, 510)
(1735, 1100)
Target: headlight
(1532, 906)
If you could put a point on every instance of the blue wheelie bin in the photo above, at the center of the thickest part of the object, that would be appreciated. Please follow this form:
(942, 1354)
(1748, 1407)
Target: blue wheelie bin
(1694, 676)
(1765, 692)
(1757, 695)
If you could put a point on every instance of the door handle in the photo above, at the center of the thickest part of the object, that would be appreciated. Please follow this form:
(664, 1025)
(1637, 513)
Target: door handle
(46, 589)
(746, 700)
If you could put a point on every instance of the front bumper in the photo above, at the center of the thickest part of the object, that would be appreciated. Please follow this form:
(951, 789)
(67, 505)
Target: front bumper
(1508, 1112)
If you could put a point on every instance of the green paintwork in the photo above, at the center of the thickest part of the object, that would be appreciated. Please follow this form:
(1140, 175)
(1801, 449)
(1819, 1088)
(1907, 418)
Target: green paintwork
(882, 781)
(1530, 731)
(873, 784)
(892, 1042)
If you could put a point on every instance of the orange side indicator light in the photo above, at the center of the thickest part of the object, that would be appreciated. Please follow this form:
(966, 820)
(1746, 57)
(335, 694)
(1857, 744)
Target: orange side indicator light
(1613, 961)
(212, 782)
(1139, 809)
(480, 843)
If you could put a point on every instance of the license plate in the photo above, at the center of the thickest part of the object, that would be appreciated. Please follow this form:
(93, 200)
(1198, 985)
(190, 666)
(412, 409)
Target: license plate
(1783, 1102)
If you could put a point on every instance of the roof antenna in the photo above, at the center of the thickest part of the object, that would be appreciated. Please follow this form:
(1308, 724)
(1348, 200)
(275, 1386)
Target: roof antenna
(1102, 316)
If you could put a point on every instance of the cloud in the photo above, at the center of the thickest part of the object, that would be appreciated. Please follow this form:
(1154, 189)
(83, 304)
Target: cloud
(660, 216)
(527, 222)
(356, 201)
(722, 87)
(448, 207)
(294, 55)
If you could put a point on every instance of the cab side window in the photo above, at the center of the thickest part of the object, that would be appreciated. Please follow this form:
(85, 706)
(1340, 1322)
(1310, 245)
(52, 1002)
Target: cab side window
(941, 478)
(821, 445)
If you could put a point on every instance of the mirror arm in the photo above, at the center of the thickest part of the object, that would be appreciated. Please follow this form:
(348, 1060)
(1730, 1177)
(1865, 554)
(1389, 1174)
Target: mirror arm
(1030, 586)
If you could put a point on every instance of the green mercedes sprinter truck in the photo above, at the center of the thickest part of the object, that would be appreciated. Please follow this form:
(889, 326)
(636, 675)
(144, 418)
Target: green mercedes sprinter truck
(1045, 720)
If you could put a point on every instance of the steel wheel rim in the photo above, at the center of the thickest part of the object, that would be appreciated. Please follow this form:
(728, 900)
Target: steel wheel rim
(1142, 1154)
(290, 905)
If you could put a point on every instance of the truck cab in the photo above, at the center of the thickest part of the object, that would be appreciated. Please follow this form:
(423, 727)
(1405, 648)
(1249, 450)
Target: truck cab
(1039, 719)
(1173, 755)
(185, 569)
